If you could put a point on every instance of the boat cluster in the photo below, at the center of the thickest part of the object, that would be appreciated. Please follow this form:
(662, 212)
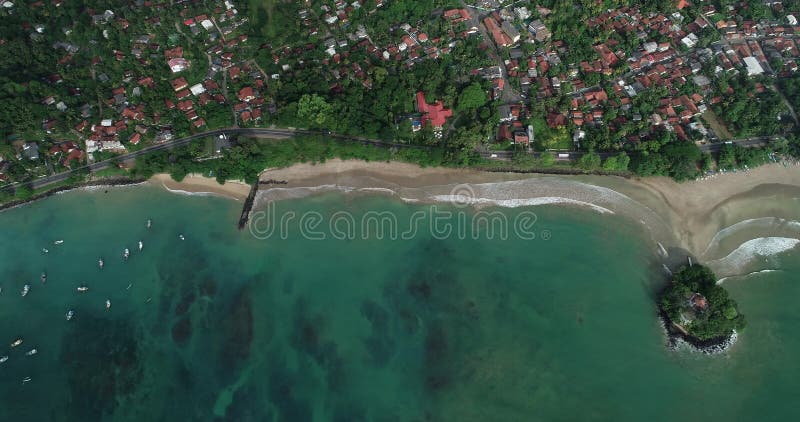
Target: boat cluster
(83, 288)
(14, 345)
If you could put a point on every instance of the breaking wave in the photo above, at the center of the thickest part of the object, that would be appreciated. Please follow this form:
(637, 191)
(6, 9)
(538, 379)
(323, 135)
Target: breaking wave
(723, 279)
(763, 223)
(749, 252)
(514, 203)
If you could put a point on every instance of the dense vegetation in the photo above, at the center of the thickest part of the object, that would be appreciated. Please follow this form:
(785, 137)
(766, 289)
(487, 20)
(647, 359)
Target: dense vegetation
(246, 160)
(717, 320)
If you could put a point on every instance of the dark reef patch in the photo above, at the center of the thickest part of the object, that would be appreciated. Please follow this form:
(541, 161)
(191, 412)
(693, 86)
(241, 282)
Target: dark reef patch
(237, 332)
(101, 357)
(182, 331)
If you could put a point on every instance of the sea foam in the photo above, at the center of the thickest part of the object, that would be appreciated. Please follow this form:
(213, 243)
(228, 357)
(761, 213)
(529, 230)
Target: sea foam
(520, 202)
(735, 262)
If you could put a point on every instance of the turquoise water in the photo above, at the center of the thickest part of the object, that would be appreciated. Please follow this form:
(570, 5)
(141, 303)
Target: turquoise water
(229, 327)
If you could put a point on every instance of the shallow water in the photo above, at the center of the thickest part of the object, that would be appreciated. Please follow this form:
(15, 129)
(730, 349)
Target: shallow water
(435, 327)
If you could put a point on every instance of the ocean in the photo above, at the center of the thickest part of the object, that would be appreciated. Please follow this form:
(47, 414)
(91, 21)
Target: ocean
(340, 307)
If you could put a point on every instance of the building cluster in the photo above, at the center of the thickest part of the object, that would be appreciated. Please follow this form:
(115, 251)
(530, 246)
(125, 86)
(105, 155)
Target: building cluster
(674, 52)
(177, 64)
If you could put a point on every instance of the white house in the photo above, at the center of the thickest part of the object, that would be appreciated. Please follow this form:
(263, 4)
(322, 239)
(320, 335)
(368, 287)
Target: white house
(753, 67)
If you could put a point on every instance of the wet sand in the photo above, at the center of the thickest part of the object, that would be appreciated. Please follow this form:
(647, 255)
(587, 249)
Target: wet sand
(681, 215)
(698, 210)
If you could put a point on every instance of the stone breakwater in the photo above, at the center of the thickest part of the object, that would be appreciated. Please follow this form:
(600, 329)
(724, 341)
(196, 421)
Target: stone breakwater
(677, 340)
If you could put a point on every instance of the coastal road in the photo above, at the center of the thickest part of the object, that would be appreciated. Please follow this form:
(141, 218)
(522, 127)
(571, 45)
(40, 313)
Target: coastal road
(758, 141)
(250, 132)
(277, 133)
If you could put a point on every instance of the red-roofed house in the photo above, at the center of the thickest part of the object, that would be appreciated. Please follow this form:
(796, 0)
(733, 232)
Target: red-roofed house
(179, 84)
(435, 114)
(246, 94)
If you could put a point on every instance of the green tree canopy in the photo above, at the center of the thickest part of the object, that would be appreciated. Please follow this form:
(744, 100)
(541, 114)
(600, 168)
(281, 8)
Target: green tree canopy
(314, 110)
(471, 97)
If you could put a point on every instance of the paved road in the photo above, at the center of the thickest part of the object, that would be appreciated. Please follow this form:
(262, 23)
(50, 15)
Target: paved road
(252, 132)
(288, 133)
(758, 141)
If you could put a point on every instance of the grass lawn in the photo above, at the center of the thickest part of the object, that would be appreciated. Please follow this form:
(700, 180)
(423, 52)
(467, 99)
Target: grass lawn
(716, 124)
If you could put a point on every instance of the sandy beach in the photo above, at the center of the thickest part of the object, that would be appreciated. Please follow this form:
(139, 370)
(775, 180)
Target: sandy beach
(683, 215)
(698, 210)
(197, 184)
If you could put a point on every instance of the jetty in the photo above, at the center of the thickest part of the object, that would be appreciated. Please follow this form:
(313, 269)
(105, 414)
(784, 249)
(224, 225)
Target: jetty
(248, 205)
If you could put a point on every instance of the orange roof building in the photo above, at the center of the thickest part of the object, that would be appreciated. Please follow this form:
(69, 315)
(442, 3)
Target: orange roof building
(434, 114)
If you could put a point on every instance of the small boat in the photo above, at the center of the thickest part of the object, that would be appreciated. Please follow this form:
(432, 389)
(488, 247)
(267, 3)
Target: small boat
(149, 223)
(108, 304)
(25, 289)
(26, 380)
(82, 289)
(3, 359)
(180, 236)
(58, 242)
(44, 277)
(129, 286)
(44, 250)
(16, 342)
(126, 254)
(70, 314)
(101, 263)
(141, 245)
(31, 352)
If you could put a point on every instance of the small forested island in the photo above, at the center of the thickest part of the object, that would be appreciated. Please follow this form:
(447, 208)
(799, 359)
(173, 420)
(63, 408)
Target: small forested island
(698, 311)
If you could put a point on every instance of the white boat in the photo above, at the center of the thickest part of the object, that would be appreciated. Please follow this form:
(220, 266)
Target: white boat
(126, 254)
(180, 236)
(44, 277)
(141, 245)
(149, 223)
(26, 379)
(3, 359)
(31, 352)
(83, 289)
(70, 314)
(16, 342)
(44, 250)
(101, 263)
(58, 242)
(108, 304)
(25, 289)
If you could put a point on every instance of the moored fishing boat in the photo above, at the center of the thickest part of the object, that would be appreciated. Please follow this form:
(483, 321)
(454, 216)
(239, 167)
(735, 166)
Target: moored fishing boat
(70, 314)
(16, 342)
(25, 289)
(82, 289)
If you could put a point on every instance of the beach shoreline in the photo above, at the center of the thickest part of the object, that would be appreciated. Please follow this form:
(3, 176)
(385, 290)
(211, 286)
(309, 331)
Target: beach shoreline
(200, 185)
(692, 213)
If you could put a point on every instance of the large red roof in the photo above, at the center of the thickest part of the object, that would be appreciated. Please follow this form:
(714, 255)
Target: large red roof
(436, 114)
